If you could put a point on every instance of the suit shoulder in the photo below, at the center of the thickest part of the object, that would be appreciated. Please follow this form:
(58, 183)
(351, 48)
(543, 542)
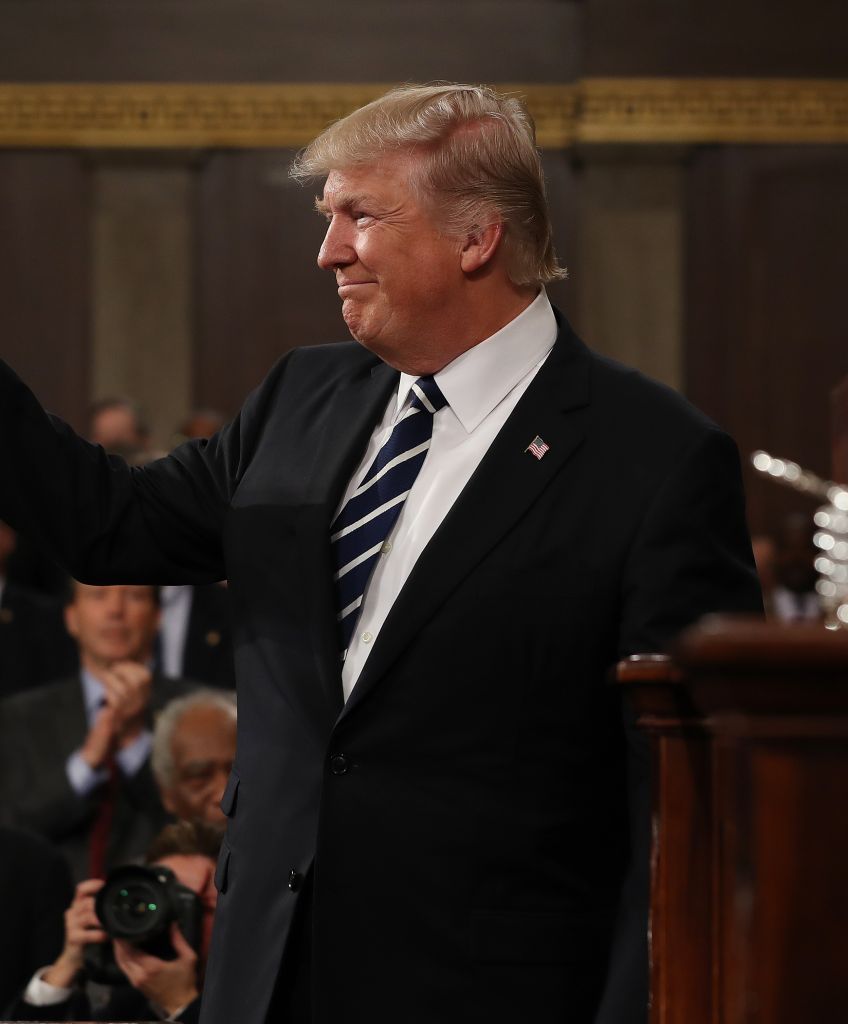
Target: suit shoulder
(329, 363)
(168, 688)
(45, 699)
(648, 409)
(30, 853)
(210, 599)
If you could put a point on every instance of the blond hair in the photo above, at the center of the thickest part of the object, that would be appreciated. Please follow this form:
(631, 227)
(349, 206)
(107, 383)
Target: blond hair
(476, 163)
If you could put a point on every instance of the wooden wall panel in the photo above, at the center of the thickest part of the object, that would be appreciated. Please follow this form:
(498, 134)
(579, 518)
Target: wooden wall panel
(259, 289)
(766, 335)
(44, 276)
(295, 40)
(715, 37)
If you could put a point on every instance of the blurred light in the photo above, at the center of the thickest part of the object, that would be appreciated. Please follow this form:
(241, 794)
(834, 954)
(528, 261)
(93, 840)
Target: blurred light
(793, 471)
(842, 613)
(824, 565)
(826, 588)
(822, 518)
(824, 541)
(778, 467)
(840, 499)
(761, 461)
(840, 550)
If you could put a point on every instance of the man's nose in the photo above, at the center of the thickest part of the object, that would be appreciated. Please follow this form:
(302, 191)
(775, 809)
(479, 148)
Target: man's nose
(116, 605)
(336, 249)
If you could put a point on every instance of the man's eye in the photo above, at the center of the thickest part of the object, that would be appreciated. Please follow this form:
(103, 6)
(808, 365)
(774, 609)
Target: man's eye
(361, 215)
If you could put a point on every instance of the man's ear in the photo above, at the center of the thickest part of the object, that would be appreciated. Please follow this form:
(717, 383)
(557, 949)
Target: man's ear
(71, 621)
(480, 247)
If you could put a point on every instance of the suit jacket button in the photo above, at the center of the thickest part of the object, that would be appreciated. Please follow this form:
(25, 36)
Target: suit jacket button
(339, 764)
(295, 880)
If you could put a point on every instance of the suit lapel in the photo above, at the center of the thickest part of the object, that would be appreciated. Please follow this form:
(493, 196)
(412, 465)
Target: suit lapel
(507, 482)
(355, 412)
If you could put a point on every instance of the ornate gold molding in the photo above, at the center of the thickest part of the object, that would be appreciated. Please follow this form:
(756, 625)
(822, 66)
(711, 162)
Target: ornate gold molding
(600, 110)
(704, 110)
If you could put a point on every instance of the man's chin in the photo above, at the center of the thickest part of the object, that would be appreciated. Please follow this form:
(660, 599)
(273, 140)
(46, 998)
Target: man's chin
(356, 326)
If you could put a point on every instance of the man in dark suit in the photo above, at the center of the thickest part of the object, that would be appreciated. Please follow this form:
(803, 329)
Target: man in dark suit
(437, 543)
(195, 637)
(35, 888)
(75, 753)
(34, 645)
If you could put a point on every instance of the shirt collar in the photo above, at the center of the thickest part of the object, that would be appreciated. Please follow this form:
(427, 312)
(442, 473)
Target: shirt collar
(476, 381)
(93, 693)
(172, 594)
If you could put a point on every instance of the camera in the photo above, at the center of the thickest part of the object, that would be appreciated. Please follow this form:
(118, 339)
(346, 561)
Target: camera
(139, 903)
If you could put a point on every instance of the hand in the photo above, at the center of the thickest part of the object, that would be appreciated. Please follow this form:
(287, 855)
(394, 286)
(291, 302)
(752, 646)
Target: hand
(127, 686)
(171, 984)
(82, 926)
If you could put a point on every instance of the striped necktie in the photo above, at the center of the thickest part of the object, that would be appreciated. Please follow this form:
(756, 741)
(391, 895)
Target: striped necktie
(360, 529)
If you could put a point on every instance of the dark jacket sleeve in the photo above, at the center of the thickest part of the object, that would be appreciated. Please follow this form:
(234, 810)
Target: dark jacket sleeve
(76, 1007)
(108, 522)
(691, 557)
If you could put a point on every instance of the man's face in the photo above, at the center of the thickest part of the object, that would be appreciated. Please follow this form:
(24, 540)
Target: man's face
(197, 872)
(203, 746)
(112, 623)
(115, 428)
(399, 279)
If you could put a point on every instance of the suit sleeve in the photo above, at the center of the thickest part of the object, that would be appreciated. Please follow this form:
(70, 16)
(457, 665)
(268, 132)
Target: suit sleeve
(106, 522)
(691, 557)
(34, 791)
(692, 553)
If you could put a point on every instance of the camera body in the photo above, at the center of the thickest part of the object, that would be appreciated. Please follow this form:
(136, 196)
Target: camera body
(139, 903)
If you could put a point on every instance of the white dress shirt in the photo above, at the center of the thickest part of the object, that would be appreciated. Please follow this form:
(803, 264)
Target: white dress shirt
(173, 628)
(482, 387)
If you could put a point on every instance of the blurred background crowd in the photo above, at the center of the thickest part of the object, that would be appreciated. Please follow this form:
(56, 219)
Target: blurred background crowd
(117, 735)
(696, 164)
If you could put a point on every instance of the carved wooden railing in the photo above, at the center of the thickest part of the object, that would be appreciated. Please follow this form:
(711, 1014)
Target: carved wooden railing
(749, 911)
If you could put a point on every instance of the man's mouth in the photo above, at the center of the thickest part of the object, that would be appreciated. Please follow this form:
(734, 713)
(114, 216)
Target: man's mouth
(348, 288)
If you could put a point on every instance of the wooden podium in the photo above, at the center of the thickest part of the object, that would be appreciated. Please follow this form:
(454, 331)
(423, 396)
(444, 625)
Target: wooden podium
(749, 907)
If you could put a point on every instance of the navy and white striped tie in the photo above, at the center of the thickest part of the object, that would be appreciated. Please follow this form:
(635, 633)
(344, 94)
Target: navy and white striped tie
(360, 529)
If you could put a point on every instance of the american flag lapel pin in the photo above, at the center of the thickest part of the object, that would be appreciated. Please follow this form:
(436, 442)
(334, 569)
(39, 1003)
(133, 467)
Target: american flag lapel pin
(537, 447)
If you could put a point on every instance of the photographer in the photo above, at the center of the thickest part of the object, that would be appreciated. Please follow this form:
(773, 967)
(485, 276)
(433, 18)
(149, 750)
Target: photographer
(157, 988)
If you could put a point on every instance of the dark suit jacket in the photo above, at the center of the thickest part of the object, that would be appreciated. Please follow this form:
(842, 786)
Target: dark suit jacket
(208, 655)
(34, 645)
(35, 891)
(125, 1004)
(38, 732)
(465, 811)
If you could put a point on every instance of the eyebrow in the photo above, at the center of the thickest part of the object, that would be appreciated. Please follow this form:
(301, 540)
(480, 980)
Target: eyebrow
(346, 203)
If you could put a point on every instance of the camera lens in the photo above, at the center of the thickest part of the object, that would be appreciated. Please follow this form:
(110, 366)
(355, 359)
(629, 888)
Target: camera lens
(134, 903)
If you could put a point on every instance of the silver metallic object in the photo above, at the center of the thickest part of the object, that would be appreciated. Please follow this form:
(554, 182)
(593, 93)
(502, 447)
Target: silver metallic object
(831, 537)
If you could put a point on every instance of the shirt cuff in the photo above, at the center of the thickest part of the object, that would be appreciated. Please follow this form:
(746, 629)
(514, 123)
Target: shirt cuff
(82, 777)
(42, 993)
(163, 1014)
(130, 759)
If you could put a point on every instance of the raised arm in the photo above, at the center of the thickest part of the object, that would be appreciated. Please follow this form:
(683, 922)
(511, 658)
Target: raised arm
(107, 522)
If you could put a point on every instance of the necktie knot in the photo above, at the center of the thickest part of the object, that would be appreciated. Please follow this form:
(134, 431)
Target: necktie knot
(427, 395)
